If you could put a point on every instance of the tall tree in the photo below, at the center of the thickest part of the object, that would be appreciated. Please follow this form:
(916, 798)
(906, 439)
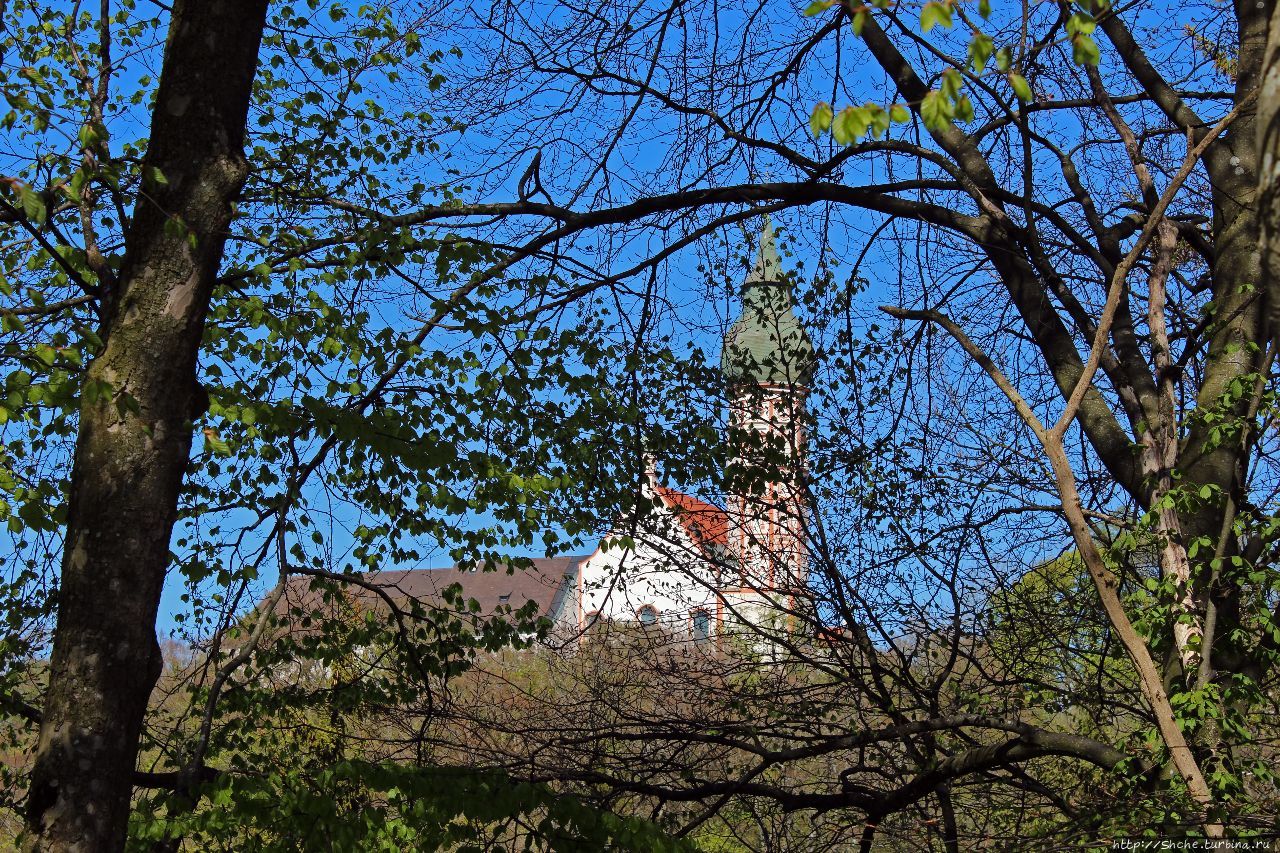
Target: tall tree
(134, 440)
(1268, 142)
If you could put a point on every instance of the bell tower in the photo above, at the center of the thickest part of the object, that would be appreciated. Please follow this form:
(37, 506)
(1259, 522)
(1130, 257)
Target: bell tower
(768, 362)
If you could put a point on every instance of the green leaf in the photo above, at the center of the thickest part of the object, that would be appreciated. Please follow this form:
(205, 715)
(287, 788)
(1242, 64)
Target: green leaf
(175, 228)
(1084, 50)
(1081, 23)
(32, 204)
(1021, 87)
(88, 135)
(127, 404)
(935, 13)
(879, 119)
(214, 443)
(859, 21)
(980, 50)
(152, 175)
(951, 83)
(1004, 59)
(72, 190)
(899, 114)
(850, 124)
(984, 8)
(820, 118)
(936, 111)
(817, 7)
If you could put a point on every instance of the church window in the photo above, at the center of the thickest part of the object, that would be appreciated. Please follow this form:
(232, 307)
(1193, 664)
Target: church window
(701, 625)
(648, 615)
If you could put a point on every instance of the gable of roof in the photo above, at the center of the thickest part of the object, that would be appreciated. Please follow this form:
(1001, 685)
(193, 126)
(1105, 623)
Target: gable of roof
(546, 582)
(706, 524)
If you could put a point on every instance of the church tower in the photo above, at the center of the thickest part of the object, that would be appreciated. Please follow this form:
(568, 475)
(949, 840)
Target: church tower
(768, 360)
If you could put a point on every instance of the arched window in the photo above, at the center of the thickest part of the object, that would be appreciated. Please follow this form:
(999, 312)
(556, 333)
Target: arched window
(700, 625)
(648, 615)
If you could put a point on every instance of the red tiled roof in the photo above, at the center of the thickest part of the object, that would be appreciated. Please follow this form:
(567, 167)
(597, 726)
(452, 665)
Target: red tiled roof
(706, 524)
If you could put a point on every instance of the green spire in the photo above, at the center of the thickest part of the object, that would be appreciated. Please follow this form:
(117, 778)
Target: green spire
(767, 344)
(768, 266)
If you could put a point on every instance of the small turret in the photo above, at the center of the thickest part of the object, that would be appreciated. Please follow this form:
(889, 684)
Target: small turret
(767, 345)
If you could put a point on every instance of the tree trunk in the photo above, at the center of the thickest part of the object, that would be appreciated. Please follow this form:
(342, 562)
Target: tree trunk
(1269, 172)
(139, 398)
(1236, 345)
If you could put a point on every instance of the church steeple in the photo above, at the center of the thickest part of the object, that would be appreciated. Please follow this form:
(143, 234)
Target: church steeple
(767, 345)
(769, 361)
